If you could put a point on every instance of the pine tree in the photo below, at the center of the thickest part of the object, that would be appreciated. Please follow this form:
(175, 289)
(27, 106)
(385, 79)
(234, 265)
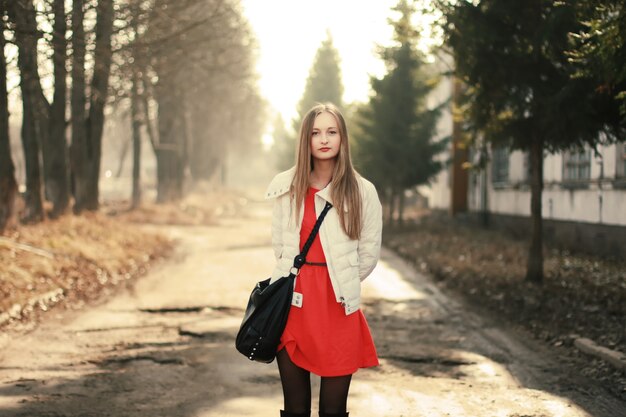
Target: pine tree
(396, 148)
(599, 50)
(324, 82)
(521, 86)
(323, 85)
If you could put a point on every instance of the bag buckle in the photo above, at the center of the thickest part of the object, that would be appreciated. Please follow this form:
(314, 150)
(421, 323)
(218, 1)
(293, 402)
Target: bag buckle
(298, 261)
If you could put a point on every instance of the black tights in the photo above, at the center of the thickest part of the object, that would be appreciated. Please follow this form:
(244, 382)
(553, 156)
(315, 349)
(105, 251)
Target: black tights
(297, 388)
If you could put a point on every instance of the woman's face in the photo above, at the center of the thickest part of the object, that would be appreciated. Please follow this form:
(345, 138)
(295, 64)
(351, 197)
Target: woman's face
(325, 138)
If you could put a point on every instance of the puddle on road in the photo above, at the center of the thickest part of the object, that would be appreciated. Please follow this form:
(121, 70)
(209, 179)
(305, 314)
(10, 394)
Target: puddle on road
(264, 379)
(428, 360)
(208, 335)
(125, 360)
(193, 309)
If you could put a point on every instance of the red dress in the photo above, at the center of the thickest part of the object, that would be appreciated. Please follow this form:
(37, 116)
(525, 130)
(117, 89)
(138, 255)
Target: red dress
(319, 336)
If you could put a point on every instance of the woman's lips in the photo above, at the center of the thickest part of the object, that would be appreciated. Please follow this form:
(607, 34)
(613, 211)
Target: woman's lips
(324, 149)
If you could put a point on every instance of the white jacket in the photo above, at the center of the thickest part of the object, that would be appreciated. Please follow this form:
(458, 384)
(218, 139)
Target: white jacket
(349, 261)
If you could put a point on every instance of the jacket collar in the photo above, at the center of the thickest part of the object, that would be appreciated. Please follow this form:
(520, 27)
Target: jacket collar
(281, 183)
(325, 194)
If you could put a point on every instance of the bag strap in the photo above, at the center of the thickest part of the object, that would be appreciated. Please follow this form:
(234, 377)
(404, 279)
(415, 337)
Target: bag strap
(300, 259)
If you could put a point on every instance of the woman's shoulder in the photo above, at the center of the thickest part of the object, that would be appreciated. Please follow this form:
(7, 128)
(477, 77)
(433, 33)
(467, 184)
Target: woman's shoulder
(280, 183)
(367, 187)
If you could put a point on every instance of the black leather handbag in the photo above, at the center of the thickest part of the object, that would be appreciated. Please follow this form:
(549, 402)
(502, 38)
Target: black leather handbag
(268, 307)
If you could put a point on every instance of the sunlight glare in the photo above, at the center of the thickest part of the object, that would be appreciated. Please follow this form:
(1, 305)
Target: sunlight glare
(267, 140)
(387, 282)
(289, 33)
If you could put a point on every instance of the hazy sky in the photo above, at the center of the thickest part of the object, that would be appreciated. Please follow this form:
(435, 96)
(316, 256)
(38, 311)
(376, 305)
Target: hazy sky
(290, 31)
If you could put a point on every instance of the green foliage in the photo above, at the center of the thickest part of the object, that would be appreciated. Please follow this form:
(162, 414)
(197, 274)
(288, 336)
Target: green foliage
(323, 85)
(520, 81)
(531, 82)
(395, 148)
(324, 82)
(600, 48)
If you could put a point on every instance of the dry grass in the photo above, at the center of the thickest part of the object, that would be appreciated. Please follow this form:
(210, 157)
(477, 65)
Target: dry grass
(581, 294)
(74, 259)
(71, 259)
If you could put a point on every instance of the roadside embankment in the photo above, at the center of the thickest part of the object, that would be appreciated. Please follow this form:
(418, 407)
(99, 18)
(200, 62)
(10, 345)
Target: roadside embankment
(581, 296)
(74, 260)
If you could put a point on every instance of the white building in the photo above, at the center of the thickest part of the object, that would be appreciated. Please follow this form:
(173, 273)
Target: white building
(578, 186)
(583, 200)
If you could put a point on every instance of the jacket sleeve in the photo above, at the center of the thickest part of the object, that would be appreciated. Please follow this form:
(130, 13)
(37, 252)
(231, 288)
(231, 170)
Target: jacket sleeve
(277, 236)
(371, 234)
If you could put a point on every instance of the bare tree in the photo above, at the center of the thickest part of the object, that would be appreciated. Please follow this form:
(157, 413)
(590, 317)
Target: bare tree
(195, 65)
(43, 125)
(79, 149)
(57, 173)
(211, 64)
(35, 107)
(136, 111)
(8, 185)
(87, 142)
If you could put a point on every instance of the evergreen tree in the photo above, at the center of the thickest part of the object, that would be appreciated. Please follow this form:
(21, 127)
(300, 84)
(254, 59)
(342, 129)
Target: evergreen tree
(396, 148)
(284, 144)
(323, 85)
(521, 90)
(600, 50)
(324, 82)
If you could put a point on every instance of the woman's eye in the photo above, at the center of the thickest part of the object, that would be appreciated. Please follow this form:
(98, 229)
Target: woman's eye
(315, 133)
(333, 132)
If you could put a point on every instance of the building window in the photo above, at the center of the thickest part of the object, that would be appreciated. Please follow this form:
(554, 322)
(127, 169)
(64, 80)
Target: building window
(500, 165)
(621, 160)
(577, 165)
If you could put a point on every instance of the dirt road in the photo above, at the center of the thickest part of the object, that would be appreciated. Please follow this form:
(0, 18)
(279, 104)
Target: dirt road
(166, 347)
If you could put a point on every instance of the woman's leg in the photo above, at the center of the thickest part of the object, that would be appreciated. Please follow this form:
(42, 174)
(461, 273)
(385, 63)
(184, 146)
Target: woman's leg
(334, 394)
(296, 384)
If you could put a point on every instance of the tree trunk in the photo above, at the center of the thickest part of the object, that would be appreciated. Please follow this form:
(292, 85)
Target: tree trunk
(57, 176)
(145, 83)
(484, 198)
(401, 207)
(534, 269)
(136, 125)
(80, 148)
(97, 102)
(33, 198)
(392, 206)
(206, 150)
(49, 133)
(386, 202)
(185, 141)
(8, 185)
(459, 175)
(123, 153)
(35, 117)
(169, 152)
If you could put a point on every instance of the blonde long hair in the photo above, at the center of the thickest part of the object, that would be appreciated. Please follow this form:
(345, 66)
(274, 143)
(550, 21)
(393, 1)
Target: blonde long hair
(344, 184)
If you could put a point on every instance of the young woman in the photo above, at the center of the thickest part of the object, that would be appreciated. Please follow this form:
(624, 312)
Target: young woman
(326, 332)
